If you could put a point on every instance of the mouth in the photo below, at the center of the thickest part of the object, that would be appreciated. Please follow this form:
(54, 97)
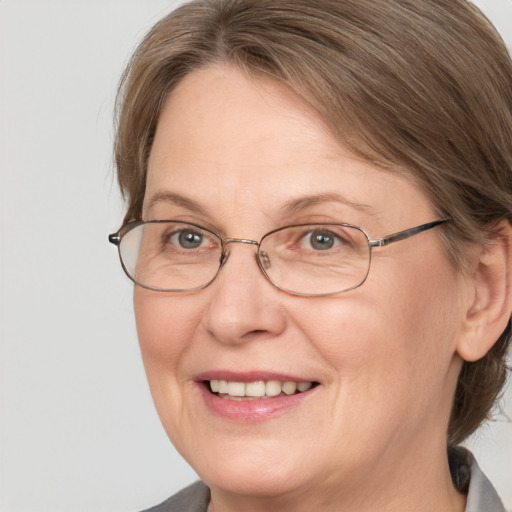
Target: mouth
(257, 390)
(254, 396)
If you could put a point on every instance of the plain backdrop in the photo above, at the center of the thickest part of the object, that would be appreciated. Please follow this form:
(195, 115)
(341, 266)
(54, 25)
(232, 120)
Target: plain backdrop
(78, 431)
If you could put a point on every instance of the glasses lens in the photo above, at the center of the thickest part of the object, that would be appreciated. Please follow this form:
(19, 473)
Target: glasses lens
(316, 259)
(170, 256)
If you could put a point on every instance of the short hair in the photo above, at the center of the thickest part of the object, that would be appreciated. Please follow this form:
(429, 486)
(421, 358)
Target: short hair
(422, 87)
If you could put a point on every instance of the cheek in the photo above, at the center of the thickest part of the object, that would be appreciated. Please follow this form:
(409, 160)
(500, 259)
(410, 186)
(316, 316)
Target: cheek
(391, 346)
(165, 327)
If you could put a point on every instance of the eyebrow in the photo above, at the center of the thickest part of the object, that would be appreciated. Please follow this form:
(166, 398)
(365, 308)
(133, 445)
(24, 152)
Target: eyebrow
(297, 205)
(290, 207)
(177, 200)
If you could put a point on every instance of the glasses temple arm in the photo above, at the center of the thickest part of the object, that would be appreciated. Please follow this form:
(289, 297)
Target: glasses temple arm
(402, 235)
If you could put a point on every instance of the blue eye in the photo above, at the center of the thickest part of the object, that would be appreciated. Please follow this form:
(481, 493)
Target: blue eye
(187, 239)
(320, 240)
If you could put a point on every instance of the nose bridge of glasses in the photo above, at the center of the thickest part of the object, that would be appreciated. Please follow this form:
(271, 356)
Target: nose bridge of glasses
(227, 241)
(261, 256)
(240, 241)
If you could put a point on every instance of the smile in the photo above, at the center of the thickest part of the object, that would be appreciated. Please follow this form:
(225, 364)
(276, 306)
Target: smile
(253, 395)
(231, 390)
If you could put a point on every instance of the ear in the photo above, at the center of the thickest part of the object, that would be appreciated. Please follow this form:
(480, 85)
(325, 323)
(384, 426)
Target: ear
(491, 304)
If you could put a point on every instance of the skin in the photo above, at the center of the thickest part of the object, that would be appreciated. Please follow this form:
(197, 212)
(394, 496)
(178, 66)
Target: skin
(373, 434)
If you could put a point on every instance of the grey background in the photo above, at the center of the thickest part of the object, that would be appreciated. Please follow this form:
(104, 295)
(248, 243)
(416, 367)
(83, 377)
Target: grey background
(78, 431)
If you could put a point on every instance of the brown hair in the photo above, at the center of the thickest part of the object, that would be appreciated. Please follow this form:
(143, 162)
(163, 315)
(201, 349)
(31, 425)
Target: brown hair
(423, 86)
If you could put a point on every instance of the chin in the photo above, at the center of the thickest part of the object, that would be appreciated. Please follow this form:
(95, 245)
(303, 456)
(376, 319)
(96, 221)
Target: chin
(246, 479)
(249, 468)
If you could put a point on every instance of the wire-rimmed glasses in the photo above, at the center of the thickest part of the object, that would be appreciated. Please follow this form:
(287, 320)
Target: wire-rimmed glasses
(305, 259)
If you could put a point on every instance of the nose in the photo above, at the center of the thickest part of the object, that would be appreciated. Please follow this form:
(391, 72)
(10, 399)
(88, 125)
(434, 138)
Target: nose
(243, 304)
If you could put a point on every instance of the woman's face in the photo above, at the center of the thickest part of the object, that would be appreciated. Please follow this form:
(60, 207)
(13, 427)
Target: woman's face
(243, 157)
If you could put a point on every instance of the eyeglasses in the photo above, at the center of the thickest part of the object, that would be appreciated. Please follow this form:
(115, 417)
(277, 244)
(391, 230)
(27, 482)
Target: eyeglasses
(306, 259)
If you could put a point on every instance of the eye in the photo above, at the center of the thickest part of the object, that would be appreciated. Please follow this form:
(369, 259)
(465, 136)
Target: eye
(320, 240)
(187, 239)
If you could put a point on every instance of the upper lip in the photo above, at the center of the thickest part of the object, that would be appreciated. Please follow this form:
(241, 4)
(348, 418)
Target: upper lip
(249, 376)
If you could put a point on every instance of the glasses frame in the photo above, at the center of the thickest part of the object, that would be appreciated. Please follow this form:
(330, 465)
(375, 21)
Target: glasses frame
(115, 239)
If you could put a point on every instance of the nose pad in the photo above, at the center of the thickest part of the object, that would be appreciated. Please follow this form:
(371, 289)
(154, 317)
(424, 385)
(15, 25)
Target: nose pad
(223, 258)
(264, 260)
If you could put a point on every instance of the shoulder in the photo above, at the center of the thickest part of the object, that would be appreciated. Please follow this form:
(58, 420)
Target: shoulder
(481, 493)
(193, 498)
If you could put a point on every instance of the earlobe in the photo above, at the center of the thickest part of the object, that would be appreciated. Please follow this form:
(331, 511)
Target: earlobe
(490, 308)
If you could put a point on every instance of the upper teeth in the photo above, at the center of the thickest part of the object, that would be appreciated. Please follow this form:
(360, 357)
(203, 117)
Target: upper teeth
(259, 388)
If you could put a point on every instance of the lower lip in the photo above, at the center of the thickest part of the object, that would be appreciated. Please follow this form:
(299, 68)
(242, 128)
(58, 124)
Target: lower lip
(248, 411)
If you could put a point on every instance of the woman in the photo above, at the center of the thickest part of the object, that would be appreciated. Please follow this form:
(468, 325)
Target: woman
(269, 152)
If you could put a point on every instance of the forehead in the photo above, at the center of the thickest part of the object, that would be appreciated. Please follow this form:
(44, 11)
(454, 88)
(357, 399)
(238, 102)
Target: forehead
(232, 144)
(228, 114)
